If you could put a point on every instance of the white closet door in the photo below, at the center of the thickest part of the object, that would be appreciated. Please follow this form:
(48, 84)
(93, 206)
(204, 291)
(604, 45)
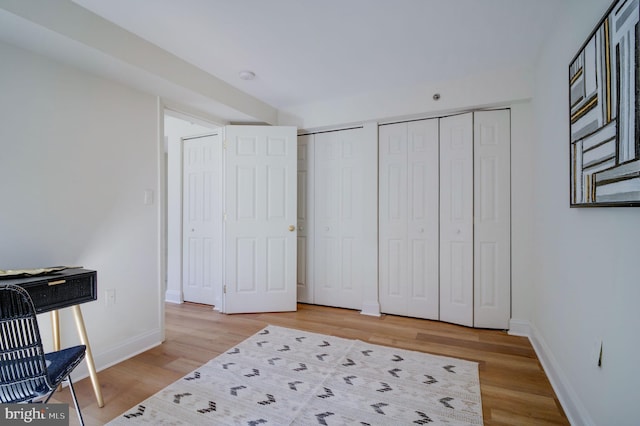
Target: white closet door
(492, 266)
(339, 199)
(393, 195)
(456, 219)
(423, 224)
(409, 219)
(305, 219)
(202, 219)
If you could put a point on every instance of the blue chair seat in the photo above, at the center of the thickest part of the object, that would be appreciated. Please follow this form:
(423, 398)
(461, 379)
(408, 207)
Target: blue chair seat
(61, 363)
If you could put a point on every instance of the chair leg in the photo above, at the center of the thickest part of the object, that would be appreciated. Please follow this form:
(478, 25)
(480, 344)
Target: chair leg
(75, 401)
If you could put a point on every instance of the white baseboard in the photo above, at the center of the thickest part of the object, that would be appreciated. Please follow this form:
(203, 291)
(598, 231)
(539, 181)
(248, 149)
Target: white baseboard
(173, 296)
(519, 328)
(371, 309)
(125, 350)
(571, 404)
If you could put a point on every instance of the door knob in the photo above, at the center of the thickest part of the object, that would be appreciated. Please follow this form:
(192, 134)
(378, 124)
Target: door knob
(292, 228)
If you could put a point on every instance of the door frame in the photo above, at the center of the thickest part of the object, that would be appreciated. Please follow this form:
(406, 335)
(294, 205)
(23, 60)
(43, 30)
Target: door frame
(170, 159)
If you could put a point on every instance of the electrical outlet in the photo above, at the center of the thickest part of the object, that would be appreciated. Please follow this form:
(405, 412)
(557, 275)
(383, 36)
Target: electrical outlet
(110, 297)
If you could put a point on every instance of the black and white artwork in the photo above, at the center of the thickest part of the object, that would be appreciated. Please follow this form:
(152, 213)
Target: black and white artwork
(604, 85)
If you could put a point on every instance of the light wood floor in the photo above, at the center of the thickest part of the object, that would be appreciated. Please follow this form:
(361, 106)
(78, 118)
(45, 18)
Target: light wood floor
(515, 390)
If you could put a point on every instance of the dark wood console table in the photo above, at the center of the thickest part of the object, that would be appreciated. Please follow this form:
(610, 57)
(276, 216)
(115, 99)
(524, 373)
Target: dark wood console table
(64, 289)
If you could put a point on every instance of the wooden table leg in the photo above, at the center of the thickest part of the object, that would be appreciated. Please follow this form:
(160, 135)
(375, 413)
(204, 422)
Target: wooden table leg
(82, 332)
(55, 328)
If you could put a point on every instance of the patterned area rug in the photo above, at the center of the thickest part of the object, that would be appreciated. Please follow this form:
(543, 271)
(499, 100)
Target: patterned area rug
(281, 376)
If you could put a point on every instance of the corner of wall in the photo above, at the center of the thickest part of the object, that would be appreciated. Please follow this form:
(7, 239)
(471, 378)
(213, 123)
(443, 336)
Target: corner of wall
(518, 327)
(125, 350)
(288, 119)
(571, 404)
(173, 296)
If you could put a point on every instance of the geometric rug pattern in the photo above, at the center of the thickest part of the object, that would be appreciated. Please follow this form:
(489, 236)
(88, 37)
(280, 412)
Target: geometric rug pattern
(281, 376)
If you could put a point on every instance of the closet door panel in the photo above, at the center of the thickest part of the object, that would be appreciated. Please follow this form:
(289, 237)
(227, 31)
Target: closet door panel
(408, 209)
(351, 217)
(456, 219)
(327, 166)
(492, 267)
(305, 219)
(392, 210)
(422, 219)
(338, 229)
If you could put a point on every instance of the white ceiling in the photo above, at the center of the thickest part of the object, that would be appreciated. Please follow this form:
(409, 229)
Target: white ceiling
(305, 51)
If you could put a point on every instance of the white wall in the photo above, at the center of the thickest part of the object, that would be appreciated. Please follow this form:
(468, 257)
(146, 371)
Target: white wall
(522, 186)
(76, 154)
(585, 280)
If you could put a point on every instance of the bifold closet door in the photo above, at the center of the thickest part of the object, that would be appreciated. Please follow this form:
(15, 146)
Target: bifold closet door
(492, 235)
(456, 219)
(408, 218)
(339, 212)
(475, 239)
(305, 219)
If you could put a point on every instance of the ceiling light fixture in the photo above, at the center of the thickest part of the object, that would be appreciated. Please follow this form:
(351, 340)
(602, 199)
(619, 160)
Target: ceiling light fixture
(247, 75)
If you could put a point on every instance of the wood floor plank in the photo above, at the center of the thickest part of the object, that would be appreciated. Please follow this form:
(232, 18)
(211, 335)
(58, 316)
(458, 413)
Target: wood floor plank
(515, 390)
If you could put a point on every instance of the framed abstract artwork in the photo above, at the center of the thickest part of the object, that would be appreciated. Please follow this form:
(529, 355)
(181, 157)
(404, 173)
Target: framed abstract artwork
(604, 87)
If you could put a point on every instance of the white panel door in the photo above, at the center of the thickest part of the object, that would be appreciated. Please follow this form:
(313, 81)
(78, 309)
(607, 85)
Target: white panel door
(305, 218)
(202, 219)
(260, 224)
(423, 221)
(339, 200)
(392, 210)
(456, 219)
(408, 210)
(492, 252)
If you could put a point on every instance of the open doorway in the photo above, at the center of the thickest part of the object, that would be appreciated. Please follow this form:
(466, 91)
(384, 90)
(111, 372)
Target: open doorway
(177, 128)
